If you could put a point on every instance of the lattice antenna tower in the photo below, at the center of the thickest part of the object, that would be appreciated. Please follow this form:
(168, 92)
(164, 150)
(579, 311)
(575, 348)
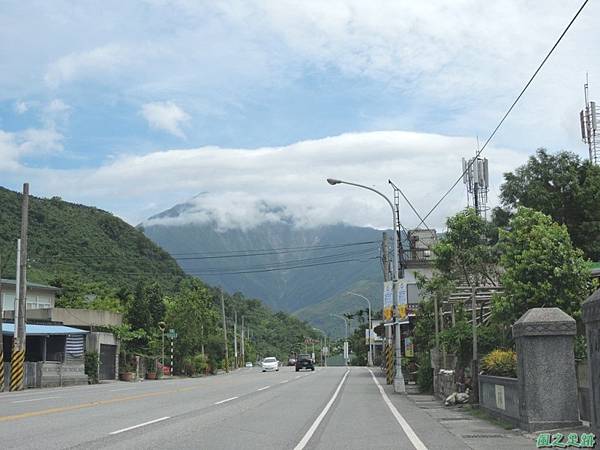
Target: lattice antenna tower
(588, 119)
(477, 181)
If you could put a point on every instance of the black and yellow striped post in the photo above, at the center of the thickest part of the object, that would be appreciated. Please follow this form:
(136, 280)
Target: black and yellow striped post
(1, 369)
(389, 363)
(17, 370)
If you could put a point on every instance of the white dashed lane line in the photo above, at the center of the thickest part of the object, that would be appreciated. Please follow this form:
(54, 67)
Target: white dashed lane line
(140, 425)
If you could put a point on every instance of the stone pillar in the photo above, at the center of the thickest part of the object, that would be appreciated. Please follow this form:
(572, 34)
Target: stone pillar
(591, 319)
(546, 370)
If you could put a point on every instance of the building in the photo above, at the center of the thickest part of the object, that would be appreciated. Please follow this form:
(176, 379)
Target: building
(85, 328)
(38, 295)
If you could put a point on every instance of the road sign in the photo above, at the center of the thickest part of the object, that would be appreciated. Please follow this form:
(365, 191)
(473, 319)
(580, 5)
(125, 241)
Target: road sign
(171, 334)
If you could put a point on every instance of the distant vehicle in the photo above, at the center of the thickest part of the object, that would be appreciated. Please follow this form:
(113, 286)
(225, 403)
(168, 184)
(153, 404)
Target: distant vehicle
(304, 361)
(270, 364)
(291, 361)
(248, 364)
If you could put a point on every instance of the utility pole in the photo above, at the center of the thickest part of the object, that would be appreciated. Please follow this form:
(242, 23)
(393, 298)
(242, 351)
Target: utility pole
(386, 277)
(1, 338)
(243, 346)
(225, 333)
(235, 349)
(18, 354)
(474, 369)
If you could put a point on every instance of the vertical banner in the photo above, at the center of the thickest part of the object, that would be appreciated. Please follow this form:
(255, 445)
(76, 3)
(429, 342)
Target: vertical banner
(402, 300)
(409, 347)
(388, 300)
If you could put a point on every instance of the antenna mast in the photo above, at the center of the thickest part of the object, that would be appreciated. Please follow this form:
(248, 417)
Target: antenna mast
(477, 181)
(588, 123)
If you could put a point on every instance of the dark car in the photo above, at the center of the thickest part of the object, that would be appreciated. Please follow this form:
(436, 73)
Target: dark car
(304, 362)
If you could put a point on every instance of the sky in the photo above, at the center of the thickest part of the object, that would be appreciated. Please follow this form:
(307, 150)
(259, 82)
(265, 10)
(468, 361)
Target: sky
(133, 107)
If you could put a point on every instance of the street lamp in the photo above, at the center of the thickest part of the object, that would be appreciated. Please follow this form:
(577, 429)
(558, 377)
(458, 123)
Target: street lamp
(346, 350)
(398, 378)
(324, 357)
(162, 326)
(370, 357)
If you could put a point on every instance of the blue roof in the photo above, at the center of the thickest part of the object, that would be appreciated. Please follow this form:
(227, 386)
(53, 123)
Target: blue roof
(40, 330)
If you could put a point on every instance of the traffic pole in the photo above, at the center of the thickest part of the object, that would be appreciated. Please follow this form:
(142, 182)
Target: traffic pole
(172, 340)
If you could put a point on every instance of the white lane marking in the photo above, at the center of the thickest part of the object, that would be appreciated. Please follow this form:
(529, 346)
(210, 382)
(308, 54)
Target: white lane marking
(319, 419)
(410, 433)
(263, 388)
(297, 376)
(284, 381)
(224, 401)
(122, 389)
(140, 425)
(34, 399)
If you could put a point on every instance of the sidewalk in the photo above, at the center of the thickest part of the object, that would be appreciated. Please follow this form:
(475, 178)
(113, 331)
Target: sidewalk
(463, 423)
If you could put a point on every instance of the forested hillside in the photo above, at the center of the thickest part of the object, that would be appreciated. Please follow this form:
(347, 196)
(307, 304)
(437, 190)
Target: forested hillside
(101, 262)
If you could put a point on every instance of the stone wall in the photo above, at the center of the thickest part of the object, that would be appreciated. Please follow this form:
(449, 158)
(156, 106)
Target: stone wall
(499, 396)
(50, 374)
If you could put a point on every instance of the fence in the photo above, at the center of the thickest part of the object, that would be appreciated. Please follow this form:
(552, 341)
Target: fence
(50, 374)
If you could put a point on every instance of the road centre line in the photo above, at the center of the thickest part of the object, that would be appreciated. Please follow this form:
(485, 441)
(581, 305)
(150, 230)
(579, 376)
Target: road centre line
(410, 433)
(226, 400)
(321, 416)
(34, 399)
(284, 381)
(45, 412)
(140, 425)
(263, 388)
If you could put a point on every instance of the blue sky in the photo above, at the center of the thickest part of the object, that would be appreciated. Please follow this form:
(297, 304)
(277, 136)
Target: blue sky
(183, 97)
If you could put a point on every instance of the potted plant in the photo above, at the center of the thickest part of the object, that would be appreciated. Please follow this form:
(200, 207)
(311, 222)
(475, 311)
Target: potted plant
(127, 372)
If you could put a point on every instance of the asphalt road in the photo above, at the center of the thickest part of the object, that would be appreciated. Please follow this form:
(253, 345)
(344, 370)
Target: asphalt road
(331, 408)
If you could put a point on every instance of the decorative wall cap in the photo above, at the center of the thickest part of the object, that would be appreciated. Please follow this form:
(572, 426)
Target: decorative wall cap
(591, 308)
(544, 322)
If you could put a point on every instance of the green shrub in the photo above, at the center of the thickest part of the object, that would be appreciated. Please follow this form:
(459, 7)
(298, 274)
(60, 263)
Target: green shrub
(424, 372)
(194, 365)
(500, 363)
(92, 365)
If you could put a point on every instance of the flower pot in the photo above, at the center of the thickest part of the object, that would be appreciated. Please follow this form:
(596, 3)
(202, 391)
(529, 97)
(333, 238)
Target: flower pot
(127, 376)
(151, 376)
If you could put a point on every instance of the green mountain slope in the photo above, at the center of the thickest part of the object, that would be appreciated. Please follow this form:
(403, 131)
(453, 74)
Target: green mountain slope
(315, 264)
(319, 314)
(68, 240)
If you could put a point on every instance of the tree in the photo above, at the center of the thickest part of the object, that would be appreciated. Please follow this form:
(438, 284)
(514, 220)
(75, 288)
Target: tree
(563, 187)
(464, 254)
(541, 268)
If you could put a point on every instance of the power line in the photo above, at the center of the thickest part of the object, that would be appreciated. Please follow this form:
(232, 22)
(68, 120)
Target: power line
(507, 112)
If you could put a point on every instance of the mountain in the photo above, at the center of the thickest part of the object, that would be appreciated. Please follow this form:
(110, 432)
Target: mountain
(289, 267)
(68, 240)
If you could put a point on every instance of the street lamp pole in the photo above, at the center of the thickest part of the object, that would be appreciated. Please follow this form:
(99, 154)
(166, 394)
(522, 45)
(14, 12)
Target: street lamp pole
(323, 357)
(346, 349)
(399, 386)
(370, 356)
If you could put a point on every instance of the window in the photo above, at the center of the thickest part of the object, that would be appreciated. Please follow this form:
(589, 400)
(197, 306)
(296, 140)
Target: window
(8, 302)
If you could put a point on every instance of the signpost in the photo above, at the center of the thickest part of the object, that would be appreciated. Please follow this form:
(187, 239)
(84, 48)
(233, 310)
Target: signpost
(172, 335)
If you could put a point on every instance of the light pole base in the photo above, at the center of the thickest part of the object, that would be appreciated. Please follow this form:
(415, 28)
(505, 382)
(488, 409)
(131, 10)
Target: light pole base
(370, 360)
(399, 386)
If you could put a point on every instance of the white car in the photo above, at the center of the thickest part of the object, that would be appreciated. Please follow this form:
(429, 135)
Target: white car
(270, 364)
(248, 364)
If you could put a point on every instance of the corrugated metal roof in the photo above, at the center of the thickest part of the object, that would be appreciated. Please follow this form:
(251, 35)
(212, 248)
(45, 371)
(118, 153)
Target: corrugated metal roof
(30, 285)
(40, 330)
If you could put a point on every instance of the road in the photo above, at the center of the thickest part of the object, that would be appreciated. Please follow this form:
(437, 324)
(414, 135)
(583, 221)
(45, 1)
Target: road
(331, 408)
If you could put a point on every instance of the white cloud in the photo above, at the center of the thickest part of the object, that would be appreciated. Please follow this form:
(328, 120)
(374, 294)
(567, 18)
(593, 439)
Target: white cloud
(246, 187)
(21, 107)
(165, 116)
(30, 142)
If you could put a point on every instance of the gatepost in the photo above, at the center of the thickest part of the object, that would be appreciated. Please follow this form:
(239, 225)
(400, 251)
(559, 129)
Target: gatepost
(591, 319)
(546, 369)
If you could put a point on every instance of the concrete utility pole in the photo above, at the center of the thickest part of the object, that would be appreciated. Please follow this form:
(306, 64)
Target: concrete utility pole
(235, 349)
(225, 333)
(243, 346)
(1, 338)
(399, 386)
(18, 355)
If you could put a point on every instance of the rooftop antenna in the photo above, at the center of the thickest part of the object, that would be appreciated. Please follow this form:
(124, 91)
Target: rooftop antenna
(477, 181)
(588, 123)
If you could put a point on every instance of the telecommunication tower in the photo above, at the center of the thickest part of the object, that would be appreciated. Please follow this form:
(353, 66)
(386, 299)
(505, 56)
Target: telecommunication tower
(588, 122)
(476, 179)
